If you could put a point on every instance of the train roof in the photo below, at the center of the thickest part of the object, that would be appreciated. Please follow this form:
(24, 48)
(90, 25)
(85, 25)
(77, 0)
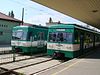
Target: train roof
(33, 26)
(73, 26)
(62, 26)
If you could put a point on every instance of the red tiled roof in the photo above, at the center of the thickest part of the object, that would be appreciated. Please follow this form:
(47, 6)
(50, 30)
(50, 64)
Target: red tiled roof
(6, 17)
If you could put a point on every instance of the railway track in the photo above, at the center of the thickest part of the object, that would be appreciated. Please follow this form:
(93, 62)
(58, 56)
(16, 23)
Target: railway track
(5, 50)
(32, 65)
(25, 63)
(21, 64)
(33, 69)
(8, 58)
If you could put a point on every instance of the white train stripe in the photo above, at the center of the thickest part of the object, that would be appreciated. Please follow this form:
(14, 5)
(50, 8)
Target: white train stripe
(40, 43)
(65, 47)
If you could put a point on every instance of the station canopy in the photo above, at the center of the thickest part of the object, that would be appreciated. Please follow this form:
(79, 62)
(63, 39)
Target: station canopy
(87, 11)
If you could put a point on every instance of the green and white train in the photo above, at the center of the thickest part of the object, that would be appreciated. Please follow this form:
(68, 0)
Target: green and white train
(71, 40)
(29, 39)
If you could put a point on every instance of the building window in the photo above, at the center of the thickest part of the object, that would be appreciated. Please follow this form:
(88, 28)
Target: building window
(5, 25)
(2, 25)
(1, 33)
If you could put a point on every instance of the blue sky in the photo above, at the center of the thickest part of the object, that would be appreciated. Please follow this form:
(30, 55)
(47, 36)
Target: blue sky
(34, 13)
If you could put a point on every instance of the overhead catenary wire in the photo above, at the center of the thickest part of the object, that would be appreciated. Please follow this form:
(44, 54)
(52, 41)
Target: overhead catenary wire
(27, 6)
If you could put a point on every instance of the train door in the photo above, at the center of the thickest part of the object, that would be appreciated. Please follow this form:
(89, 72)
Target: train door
(30, 37)
(81, 43)
(40, 39)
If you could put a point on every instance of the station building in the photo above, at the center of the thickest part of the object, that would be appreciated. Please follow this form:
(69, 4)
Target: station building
(50, 23)
(6, 25)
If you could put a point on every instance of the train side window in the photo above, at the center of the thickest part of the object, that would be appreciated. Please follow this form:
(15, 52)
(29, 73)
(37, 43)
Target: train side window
(91, 38)
(41, 36)
(77, 37)
(24, 35)
(87, 38)
(69, 37)
(97, 38)
(50, 37)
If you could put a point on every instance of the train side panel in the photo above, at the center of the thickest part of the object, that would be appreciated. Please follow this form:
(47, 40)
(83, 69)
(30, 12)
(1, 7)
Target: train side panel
(80, 40)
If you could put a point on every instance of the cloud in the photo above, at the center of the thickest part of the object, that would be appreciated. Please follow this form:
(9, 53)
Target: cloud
(38, 19)
(43, 18)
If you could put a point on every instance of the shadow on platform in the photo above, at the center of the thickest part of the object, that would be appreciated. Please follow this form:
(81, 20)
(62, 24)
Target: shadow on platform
(95, 54)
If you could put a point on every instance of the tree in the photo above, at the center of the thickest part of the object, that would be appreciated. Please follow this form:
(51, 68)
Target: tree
(9, 14)
(12, 14)
(50, 20)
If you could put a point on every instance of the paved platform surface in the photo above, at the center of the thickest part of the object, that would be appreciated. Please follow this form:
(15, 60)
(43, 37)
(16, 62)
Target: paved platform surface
(88, 65)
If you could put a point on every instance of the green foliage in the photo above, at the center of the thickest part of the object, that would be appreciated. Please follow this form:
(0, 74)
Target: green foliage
(11, 14)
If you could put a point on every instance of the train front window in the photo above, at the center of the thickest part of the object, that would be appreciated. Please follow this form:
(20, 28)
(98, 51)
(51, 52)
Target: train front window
(52, 37)
(19, 35)
(61, 37)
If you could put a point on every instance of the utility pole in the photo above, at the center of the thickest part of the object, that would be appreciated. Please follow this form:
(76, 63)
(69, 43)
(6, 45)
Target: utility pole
(22, 15)
(14, 54)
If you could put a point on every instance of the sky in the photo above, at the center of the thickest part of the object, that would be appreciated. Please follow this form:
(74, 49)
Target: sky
(34, 13)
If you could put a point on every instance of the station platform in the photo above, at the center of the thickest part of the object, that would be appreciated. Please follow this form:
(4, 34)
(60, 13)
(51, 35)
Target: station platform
(88, 65)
